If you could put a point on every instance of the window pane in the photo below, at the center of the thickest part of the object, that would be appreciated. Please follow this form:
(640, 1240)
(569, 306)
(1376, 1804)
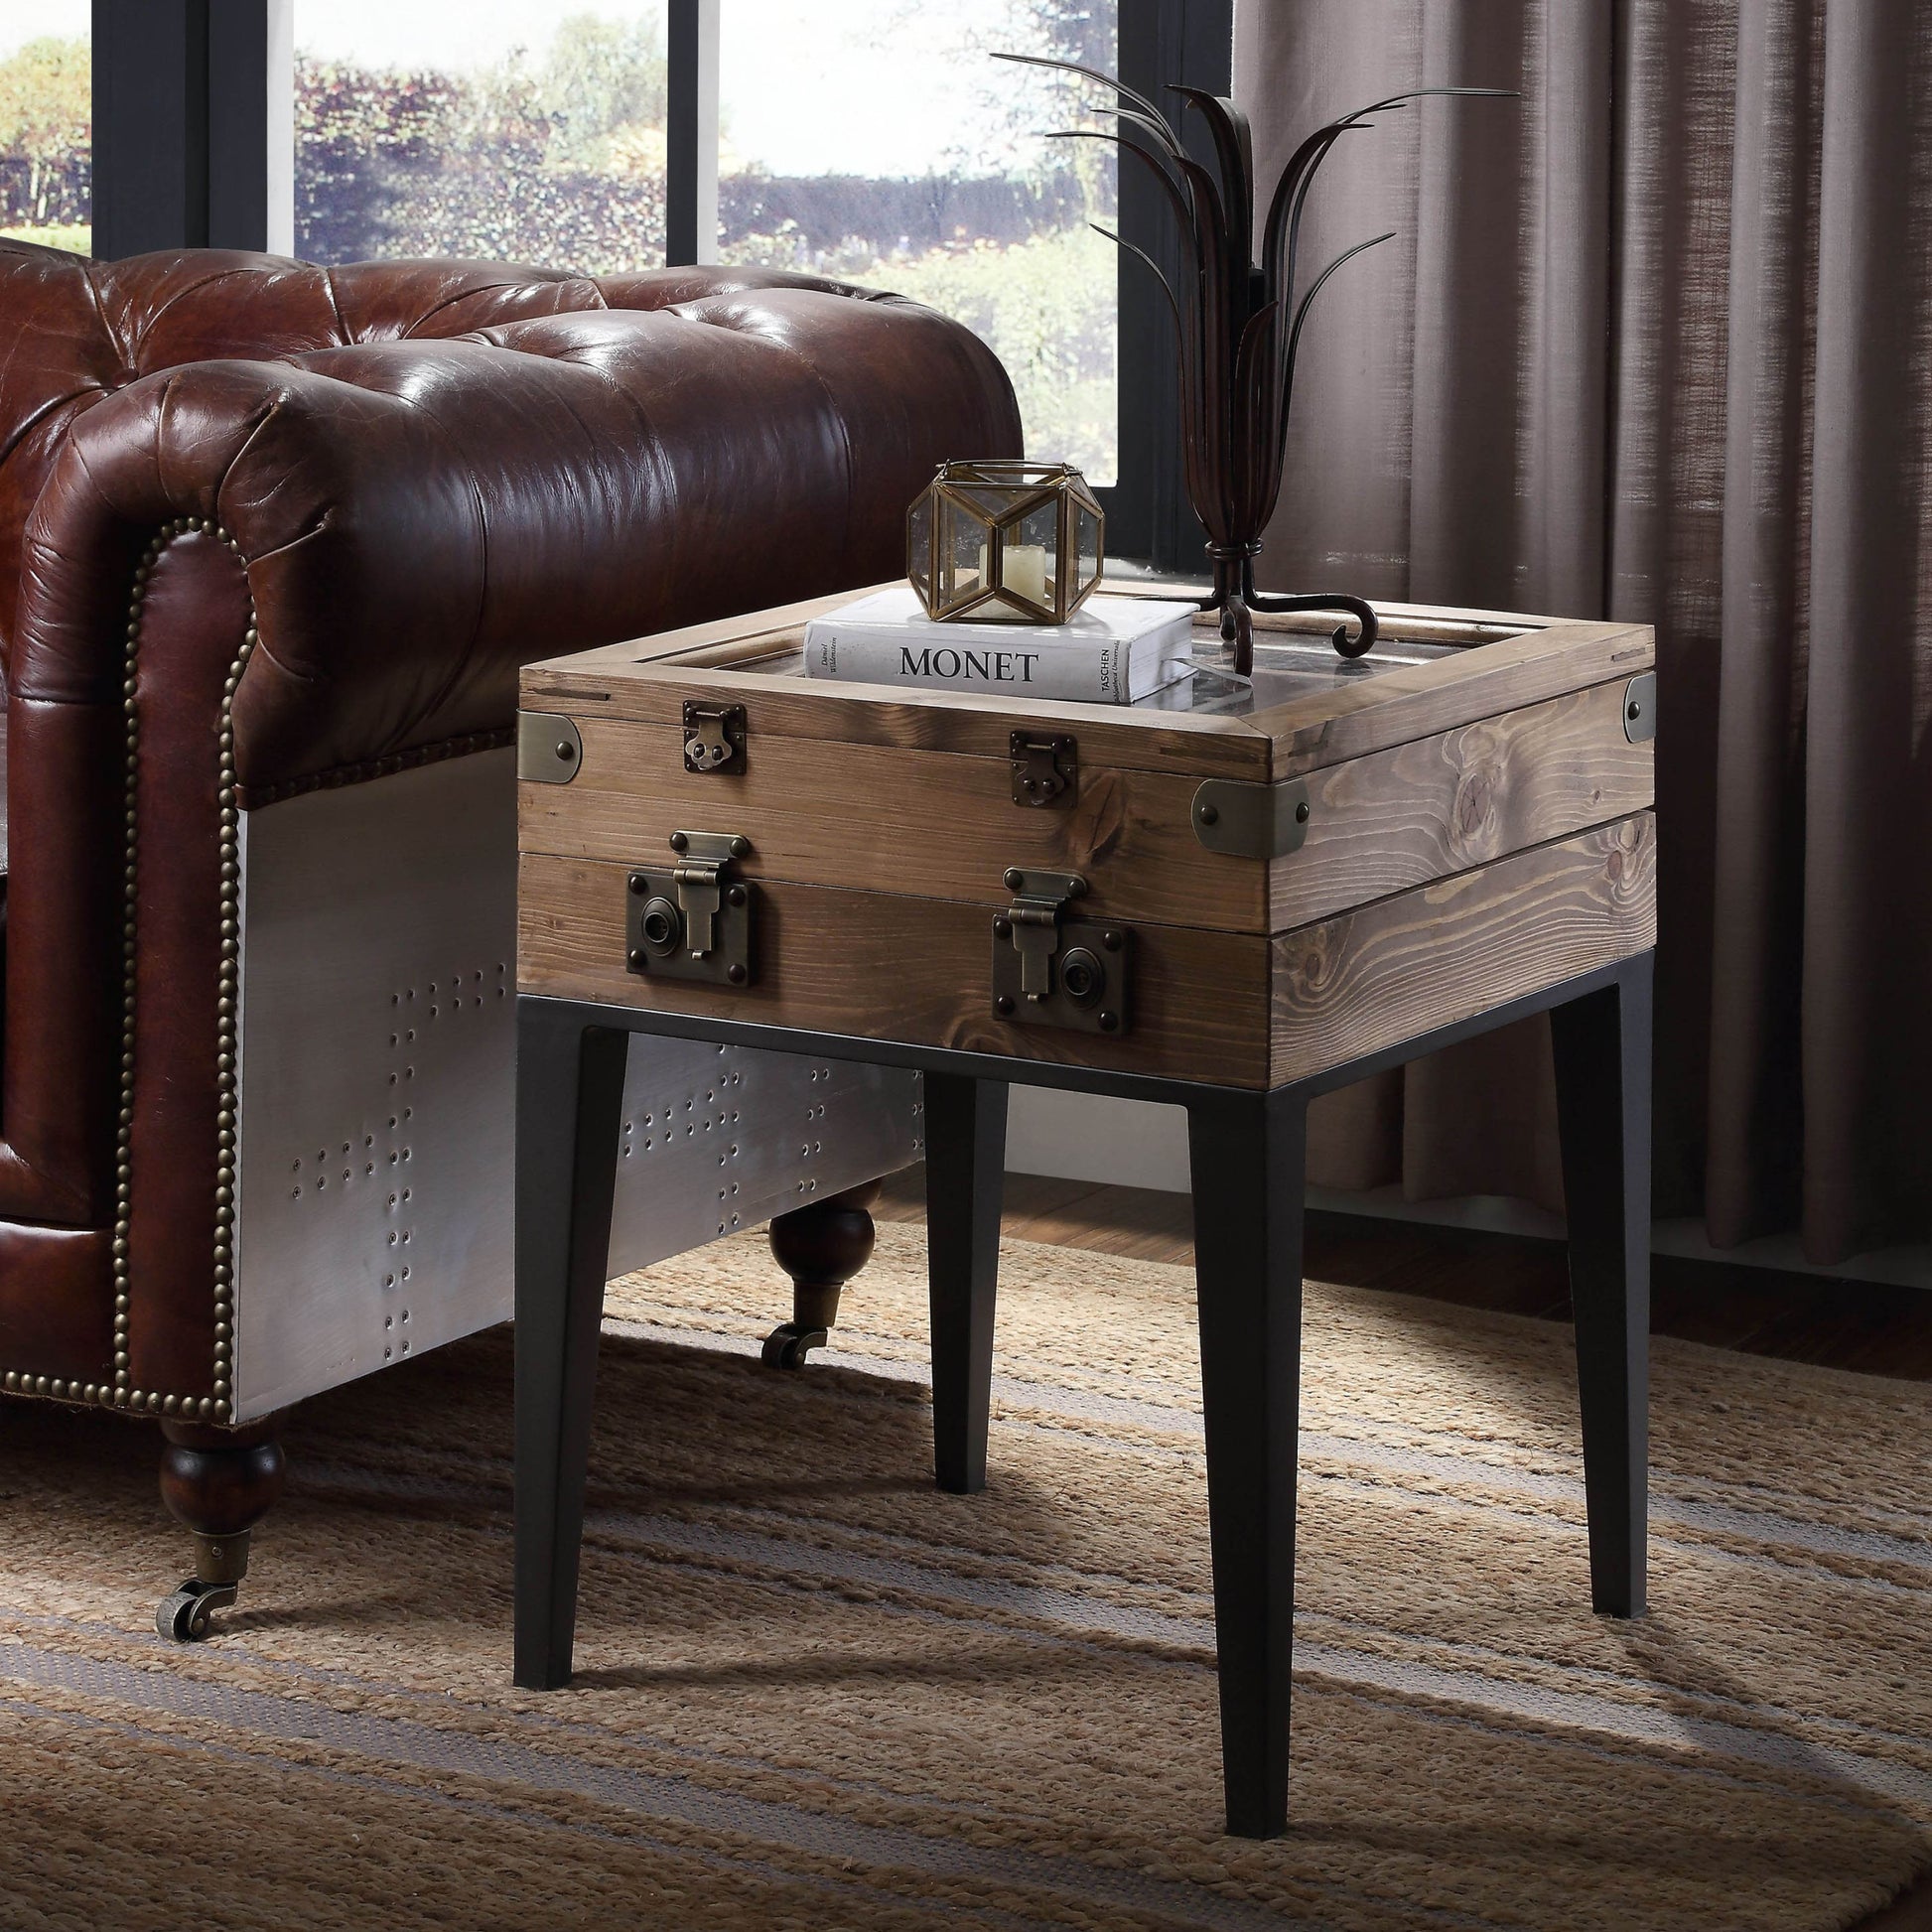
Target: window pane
(480, 128)
(47, 123)
(879, 142)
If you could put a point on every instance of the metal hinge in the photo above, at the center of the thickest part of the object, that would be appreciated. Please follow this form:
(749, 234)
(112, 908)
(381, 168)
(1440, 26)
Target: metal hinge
(549, 749)
(1045, 768)
(1053, 971)
(1252, 821)
(695, 922)
(714, 736)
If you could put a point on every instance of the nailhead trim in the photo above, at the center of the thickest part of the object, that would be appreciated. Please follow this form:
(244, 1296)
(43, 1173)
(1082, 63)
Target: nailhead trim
(232, 797)
(253, 798)
(228, 1007)
(215, 1406)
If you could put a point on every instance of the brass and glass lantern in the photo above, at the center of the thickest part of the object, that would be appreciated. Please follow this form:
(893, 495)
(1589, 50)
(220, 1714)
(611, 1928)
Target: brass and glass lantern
(1011, 542)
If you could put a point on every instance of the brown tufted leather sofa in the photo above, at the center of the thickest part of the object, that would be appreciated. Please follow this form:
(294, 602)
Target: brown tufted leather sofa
(269, 534)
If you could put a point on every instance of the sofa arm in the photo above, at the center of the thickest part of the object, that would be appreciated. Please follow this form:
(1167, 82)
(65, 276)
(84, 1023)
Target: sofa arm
(418, 518)
(392, 530)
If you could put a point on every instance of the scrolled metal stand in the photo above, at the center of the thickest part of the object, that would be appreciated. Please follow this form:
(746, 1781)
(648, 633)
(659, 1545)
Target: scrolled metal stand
(1237, 319)
(1236, 598)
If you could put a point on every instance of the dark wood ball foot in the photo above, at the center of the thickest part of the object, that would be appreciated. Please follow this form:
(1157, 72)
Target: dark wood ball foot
(219, 1483)
(821, 1247)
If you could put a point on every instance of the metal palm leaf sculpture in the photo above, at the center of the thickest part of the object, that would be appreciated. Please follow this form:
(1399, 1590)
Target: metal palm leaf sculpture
(1239, 325)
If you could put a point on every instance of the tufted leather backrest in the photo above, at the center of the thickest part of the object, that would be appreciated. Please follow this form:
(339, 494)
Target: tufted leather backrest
(74, 332)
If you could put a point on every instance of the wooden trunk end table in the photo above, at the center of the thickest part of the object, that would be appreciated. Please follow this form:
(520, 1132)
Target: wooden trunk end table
(1230, 899)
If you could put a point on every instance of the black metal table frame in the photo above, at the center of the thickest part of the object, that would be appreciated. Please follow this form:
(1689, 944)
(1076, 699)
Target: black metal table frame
(1247, 1154)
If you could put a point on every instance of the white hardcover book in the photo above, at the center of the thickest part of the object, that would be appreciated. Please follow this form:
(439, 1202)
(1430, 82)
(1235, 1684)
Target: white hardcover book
(1112, 651)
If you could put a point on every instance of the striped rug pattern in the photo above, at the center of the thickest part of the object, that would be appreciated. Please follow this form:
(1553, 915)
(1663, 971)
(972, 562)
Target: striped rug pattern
(814, 1693)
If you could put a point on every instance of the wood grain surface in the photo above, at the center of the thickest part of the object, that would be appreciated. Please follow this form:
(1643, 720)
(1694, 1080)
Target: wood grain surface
(1438, 955)
(930, 824)
(1462, 799)
(935, 824)
(1419, 700)
(649, 683)
(1447, 868)
(882, 966)
(972, 723)
(877, 965)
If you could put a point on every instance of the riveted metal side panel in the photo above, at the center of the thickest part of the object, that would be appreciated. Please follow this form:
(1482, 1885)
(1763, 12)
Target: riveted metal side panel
(721, 1137)
(378, 1051)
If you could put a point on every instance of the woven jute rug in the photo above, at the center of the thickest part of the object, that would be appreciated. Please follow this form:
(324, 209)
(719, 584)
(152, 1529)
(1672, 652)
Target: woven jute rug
(816, 1692)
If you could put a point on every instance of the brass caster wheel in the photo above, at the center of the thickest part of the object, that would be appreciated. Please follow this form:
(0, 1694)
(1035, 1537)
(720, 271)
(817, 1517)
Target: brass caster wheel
(787, 1345)
(184, 1617)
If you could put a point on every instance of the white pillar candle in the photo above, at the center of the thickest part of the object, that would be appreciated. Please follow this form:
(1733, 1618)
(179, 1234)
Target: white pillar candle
(1023, 569)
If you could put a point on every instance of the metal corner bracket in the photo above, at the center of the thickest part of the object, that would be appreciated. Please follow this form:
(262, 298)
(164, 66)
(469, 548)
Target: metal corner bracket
(1641, 709)
(1250, 821)
(549, 747)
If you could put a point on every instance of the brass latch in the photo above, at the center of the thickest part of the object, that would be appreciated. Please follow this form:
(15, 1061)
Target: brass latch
(699, 891)
(694, 922)
(1033, 924)
(1054, 971)
(714, 736)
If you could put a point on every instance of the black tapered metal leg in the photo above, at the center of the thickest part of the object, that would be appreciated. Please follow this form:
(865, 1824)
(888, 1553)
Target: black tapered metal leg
(1602, 1055)
(569, 1103)
(965, 1178)
(1248, 1154)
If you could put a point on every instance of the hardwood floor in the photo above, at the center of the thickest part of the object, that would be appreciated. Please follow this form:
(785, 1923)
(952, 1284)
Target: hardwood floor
(1879, 1331)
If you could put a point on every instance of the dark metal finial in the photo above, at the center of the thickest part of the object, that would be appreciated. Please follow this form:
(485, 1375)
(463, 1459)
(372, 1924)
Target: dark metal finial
(1237, 323)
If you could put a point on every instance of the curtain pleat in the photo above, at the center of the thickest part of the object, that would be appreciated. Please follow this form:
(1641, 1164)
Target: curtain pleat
(1674, 89)
(1756, 1105)
(1867, 800)
(1656, 342)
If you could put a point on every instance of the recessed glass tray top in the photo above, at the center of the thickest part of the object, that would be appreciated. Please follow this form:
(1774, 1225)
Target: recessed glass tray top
(1286, 669)
(1287, 666)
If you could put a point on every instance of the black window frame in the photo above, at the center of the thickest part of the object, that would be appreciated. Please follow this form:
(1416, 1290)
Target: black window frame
(1162, 44)
(181, 124)
(181, 160)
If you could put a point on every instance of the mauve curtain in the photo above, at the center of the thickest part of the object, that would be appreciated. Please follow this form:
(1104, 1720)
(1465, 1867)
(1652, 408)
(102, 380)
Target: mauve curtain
(1656, 342)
